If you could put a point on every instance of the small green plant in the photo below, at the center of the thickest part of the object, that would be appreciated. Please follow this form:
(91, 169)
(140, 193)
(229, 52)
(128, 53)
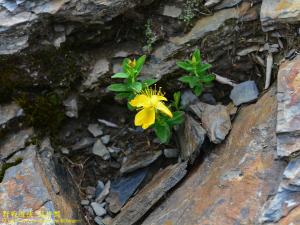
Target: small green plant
(198, 77)
(131, 69)
(190, 10)
(150, 36)
(148, 101)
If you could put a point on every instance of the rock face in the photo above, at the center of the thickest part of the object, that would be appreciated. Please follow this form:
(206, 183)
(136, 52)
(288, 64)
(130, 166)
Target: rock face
(19, 19)
(34, 186)
(284, 207)
(279, 11)
(9, 112)
(232, 185)
(288, 119)
(215, 120)
(161, 183)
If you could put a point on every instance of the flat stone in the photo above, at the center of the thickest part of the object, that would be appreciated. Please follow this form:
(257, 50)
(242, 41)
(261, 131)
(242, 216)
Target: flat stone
(208, 24)
(95, 130)
(188, 98)
(244, 92)
(166, 51)
(138, 160)
(83, 143)
(158, 70)
(284, 207)
(215, 120)
(210, 3)
(14, 142)
(142, 202)
(71, 106)
(100, 68)
(279, 11)
(105, 139)
(9, 112)
(288, 118)
(191, 136)
(98, 209)
(171, 152)
(233, 183)
(104, 193)
(172, 11)
(100, 149)
(123, 188)
(99, 188)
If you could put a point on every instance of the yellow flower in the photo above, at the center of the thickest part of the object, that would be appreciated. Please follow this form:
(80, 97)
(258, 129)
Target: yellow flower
(132, 63)
(148, 102)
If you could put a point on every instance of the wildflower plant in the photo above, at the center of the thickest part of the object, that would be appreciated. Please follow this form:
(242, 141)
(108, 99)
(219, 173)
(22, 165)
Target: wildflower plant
(130, 86)
(198, 76)
(153, 112)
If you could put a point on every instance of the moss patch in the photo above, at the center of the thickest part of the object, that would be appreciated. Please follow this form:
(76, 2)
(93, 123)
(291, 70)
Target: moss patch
(45, 112)
(6, 166)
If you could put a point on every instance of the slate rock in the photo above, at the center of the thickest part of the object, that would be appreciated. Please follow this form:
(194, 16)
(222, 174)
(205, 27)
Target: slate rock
(98, 220)
(105, 139)
(138, 160)
(171, 152)
(85, 202)
(83, 143)
(235, 180)
(191, 136)
(123, 188)
(99, 188)
(95, 130)
(9, 112)
(171, 11)
(227, 4)
(244, 92)
(215, 120)
(188, 98)
(142, 202)
(288, 118)
(274, 12)
(14, 142)
(285, 205)
(98, 209)
(100, 149)
(104, 192)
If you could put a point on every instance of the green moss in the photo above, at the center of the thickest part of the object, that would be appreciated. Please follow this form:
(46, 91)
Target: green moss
(6, 166)
(45, 112)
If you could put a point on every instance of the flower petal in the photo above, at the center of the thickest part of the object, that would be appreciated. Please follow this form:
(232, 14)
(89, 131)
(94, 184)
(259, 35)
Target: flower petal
(145, 117)
(163, 108)
(140, 101)
(158, 98)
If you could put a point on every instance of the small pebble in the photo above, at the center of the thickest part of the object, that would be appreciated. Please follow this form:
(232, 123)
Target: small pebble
(65, 151)
(90, 190)
(105, 139)
(85, 202)
(98, 209)
(98, 220)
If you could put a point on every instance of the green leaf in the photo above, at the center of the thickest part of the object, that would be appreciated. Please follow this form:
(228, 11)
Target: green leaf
(122, 95)
(136, 86)
(120, 75)
(176, 97)
(197, 56)
(162, 131)
(185, 65)
(198, 89)
(126, 68)
(178, 118)
(118, 87)
(148, 82)
(191, 80)
(208, 78)
(203, 67)
(139, 64)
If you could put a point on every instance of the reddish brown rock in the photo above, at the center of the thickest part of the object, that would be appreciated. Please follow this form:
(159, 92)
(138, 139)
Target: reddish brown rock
(161, 183)
(288, 119)
(233, 183)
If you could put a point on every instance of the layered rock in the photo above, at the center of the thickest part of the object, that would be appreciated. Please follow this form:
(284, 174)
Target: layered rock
(288, 119)
(234, 182)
